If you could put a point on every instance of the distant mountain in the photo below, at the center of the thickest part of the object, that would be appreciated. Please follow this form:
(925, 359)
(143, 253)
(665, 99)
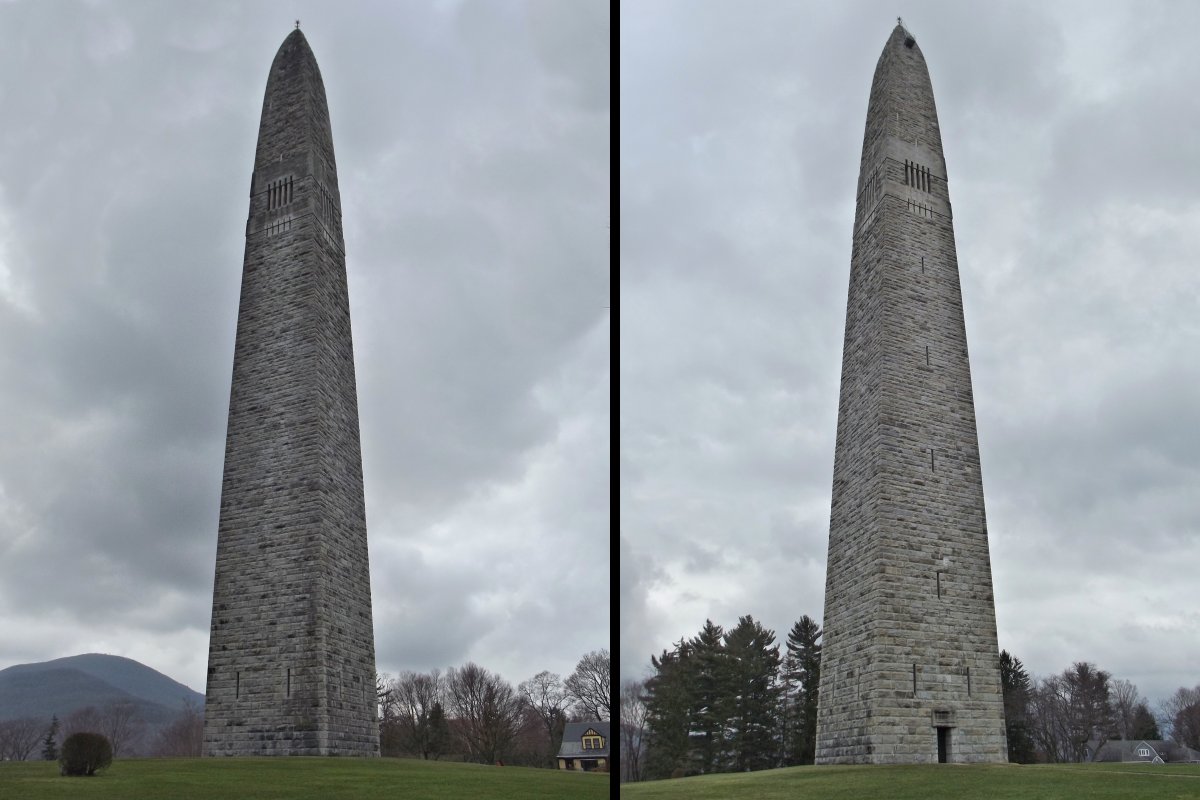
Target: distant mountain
(66, 684)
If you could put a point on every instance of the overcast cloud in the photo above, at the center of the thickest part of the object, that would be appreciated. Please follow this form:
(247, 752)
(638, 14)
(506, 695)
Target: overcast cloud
(1070, 138)
(472, 141)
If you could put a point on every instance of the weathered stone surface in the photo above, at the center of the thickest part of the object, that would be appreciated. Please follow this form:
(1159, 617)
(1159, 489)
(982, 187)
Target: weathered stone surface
(291, 668)
(910, 627)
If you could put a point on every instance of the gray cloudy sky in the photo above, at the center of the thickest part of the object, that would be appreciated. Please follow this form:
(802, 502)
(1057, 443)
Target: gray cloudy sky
(1070, 133)
(472, 142)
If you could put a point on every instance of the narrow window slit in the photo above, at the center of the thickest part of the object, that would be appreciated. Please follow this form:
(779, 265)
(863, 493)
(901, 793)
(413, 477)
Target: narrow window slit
(914, 679)
(931, 467)
(927, 355)
(237, 686)
(289, 682)
(939, 584)
(968, 681)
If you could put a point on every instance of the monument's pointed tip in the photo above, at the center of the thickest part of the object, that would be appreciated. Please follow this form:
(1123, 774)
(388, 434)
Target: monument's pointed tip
(294, 100)
(296, 36)
(901, 33)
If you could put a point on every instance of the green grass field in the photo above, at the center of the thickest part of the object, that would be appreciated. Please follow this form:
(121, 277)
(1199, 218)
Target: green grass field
(324, 778)
(935, 782)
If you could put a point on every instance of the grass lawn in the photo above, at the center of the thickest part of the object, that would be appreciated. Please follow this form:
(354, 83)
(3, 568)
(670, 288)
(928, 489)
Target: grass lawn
(323, 778)
(935, 782)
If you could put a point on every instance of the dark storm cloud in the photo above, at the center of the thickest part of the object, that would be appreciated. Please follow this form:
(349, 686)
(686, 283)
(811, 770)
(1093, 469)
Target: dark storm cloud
(472, 149)
(1066, 130)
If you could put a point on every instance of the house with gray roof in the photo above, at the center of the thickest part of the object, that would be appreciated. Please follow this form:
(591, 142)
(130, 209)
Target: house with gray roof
(585, 747)
(1146, 751)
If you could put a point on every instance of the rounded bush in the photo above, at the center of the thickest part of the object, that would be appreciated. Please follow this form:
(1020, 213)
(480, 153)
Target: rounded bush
(84, 753)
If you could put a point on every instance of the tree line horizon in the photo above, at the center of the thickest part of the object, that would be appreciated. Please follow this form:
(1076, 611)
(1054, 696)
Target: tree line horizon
(731, 701)
(466, 713)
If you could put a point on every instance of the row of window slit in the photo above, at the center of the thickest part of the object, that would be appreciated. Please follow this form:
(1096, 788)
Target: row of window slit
(918, 176)
(915, 175)
(279, 193)
(871, 189)
(920, 209)
(279, 226)
(327, 209)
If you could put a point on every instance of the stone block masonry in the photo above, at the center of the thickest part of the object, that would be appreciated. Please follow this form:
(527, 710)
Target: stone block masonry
(910, 670)
(291, 668)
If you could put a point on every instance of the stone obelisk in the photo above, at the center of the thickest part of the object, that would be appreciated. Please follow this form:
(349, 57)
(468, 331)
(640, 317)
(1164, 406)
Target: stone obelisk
(291, 664)
(910, 664)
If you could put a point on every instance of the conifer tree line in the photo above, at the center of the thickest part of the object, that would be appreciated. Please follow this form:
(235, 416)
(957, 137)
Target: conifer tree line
(731, 701)
(724, 701)
(1069, 717)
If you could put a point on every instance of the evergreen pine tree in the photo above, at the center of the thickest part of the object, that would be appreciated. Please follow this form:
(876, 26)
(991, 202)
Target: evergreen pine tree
(50, 743)
(1014, 681)
(787, 709)
(753, 696)
(804, 651)
(439, 731)
(669, 702)
(1144, 725)
(710, 696)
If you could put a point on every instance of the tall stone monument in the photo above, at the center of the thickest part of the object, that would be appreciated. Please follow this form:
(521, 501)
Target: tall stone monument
(910, 664)
(291, 663)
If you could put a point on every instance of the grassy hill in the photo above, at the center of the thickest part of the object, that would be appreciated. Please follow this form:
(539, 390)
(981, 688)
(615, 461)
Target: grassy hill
(932, 782)
(317, 778)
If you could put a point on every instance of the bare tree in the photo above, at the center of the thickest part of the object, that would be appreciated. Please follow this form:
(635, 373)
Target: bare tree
(383, 695)
(1171, 708)
(1186, 726)
(1125, 700)
(633, 729)
(547, 697)
(590, 685)
(1071, 710)
(20, 737)
(528, 747)
(413, 696)
(183, 738)
(119, 721)
(1047, 719)
(82, 720)
(488, 711)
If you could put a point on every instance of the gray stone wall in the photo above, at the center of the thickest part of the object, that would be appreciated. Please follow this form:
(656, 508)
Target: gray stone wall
(910, 632)
(291, 651)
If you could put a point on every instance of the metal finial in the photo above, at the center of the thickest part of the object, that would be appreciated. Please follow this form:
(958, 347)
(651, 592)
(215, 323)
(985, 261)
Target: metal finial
(899, 22)
(298, 24)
